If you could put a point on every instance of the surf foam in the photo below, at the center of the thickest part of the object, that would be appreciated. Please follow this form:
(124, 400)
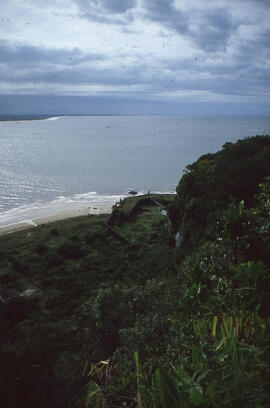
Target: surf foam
(90, 200)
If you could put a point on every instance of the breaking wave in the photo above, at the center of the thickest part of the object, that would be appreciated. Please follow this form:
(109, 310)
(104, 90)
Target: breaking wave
(60, 204)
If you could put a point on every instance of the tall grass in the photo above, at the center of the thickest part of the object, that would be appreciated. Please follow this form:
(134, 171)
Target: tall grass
(226, 367)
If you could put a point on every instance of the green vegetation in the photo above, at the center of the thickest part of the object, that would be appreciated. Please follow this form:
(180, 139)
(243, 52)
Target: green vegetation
(115, 316)
(209, 183)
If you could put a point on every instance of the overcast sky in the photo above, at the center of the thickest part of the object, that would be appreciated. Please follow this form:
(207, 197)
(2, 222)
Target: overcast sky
(135, 56)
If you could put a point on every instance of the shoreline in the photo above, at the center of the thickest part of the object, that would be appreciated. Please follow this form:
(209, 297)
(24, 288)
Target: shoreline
(23, 119)
(62, 215)
(90, 202)
(27, 118)
(35, 217)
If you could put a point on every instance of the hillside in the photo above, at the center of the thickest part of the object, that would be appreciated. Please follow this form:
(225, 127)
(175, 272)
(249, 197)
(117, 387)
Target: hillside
(213, 181)
(107, 312)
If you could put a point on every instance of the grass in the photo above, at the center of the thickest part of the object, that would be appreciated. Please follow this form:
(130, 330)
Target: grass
(31, 254)
(24, 238)
(144, 227)
(128, 203)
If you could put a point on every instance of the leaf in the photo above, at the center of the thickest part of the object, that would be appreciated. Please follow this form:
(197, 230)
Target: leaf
(221, 342)
(136, 358)
(211, 389)
(241, 206)
(168, 388)
(93, 393)
(143, 395)
(85, 367)
(214, 327)
(196, 396)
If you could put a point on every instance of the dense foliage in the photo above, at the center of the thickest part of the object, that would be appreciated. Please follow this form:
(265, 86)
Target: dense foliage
(86, 320)
(209, 183)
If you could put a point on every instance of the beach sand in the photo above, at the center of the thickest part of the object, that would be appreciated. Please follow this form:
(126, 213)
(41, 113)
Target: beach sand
(63, 215)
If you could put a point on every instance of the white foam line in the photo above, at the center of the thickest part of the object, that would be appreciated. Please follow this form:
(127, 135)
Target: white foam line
(92, 201)
(26, 214)
(54, 118)
(30, 222)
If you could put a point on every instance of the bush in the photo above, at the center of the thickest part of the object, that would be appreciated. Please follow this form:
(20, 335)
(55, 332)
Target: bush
(70, 249)
(54, 232)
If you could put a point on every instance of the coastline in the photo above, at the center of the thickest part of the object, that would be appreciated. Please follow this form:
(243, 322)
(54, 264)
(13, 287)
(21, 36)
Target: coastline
(22, 118)
(33, 219)
(62, 215)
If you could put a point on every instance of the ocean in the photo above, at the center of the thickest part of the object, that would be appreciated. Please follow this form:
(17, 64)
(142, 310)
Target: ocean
(59, 163)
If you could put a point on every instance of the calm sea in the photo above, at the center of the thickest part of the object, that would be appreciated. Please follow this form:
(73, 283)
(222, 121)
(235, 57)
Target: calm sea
(52, 164)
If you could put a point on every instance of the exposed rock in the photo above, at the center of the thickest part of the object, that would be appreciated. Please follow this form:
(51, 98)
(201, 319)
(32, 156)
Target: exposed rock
(178, 239)
(28, 292)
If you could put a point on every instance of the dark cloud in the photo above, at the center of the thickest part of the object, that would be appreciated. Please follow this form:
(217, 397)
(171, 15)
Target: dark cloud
(210, 29)
(251, 58)
(264, 3)
(117, 6)
(164, 12)
(117, 12)
(263, 41)
(213, 30)
(14, 54)
(83, 76)
(29, 56)
(117, 81)
(30, 65)
(23, 64)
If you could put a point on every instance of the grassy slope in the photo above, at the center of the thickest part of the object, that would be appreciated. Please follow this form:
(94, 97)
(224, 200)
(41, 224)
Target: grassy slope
(84, 281)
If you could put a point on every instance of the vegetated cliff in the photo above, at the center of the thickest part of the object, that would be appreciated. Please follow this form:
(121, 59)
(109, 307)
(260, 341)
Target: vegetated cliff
(213, 181)
(222, 218)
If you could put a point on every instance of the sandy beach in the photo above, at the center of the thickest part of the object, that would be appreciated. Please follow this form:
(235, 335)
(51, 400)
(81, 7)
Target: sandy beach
(62, 215)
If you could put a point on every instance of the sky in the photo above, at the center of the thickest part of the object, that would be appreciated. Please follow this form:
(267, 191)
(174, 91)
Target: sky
(135, 56)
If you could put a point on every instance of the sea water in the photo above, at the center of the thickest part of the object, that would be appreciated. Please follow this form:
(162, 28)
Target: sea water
(56, 164)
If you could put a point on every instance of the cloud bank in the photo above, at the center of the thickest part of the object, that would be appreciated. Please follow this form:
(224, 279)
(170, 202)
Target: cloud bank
(150, 52)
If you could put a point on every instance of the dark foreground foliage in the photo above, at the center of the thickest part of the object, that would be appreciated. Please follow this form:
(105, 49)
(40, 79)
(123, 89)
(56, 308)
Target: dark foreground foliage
(88, 321)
